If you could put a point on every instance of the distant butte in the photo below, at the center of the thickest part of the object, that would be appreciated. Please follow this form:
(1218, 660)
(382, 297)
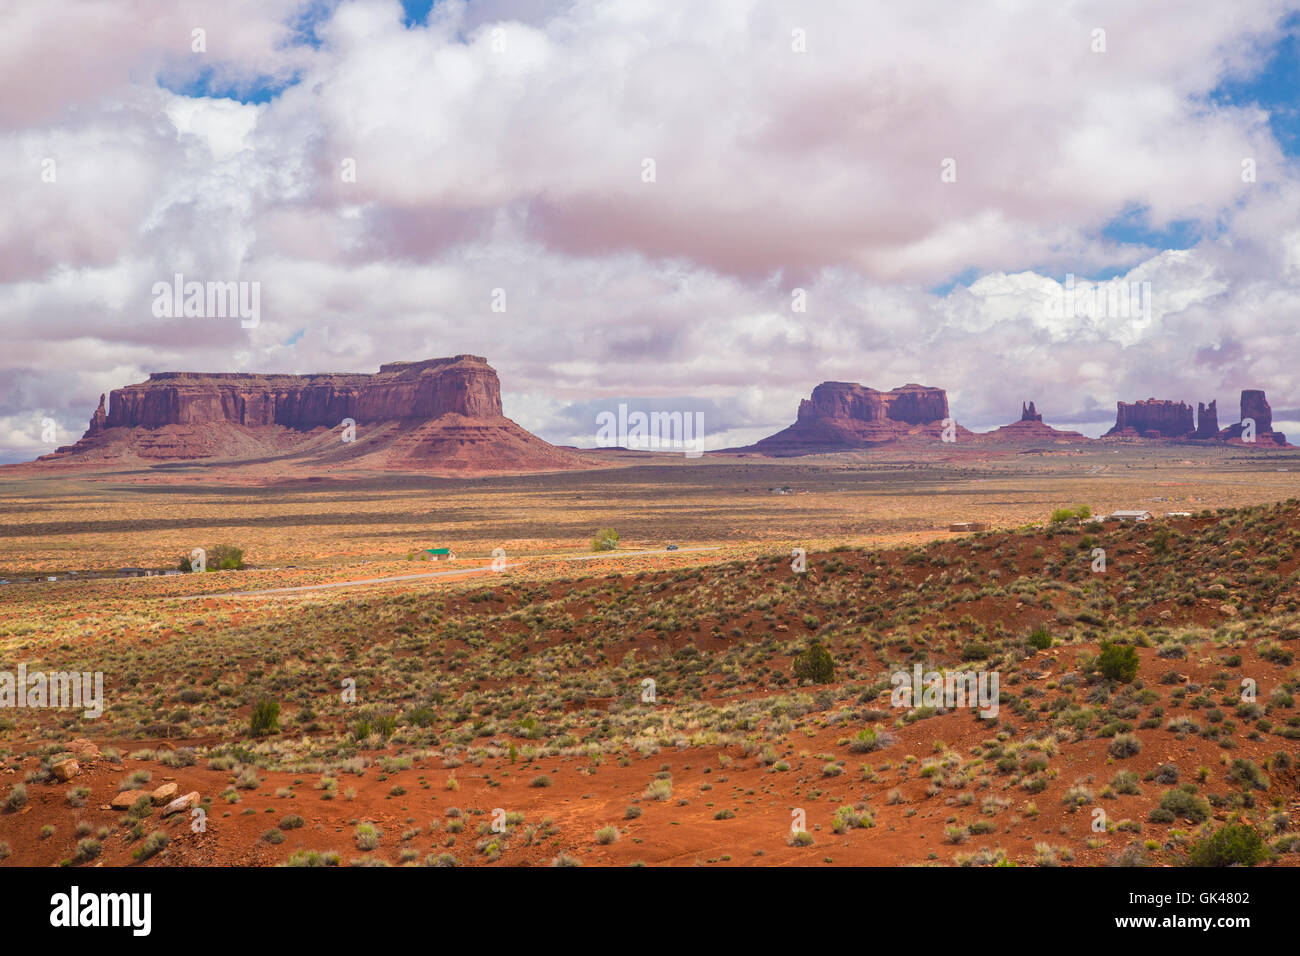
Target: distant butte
(1030, 428)
(1162, 419)
(842, 416)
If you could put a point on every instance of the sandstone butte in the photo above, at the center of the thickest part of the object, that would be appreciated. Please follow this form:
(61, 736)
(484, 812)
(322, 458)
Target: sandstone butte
(439, 415)
(841, 416)
(1030, 429)
(846, 415)
(444, 416)
(1157, 418)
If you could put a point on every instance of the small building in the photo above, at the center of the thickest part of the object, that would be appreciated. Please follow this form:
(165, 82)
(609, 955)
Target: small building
(1129, 516)
(968, 526)
(131, 572)
(439, 554)
(1178, 514)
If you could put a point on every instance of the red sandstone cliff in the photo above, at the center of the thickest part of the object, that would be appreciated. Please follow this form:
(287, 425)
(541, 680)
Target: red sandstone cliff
(437, 414)
(1164, 419)
(462, 385)
(1153, 418)
(845, 415)
(1255, 407)
(1207, 420)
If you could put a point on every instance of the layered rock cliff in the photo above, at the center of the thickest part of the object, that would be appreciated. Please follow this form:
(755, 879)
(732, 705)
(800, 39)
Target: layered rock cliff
(1164, 419)
(845, 415)
(401, 391)
(441, 413)
(1153, 418)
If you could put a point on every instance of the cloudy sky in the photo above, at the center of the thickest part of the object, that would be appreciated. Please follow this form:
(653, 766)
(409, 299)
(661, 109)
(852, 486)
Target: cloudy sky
(711, 205)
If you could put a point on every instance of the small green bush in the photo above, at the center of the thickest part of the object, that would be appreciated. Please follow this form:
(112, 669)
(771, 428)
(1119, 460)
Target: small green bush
(266, 718)
(1040, 639)
(1231, 845)
(815, 664)
(1118, 662)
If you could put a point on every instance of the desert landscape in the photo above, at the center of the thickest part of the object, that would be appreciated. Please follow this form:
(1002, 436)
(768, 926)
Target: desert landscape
(713, 684)
(494, 436)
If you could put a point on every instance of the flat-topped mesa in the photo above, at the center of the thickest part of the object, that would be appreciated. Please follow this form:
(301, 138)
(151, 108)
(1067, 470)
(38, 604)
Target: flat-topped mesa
(1153, 418)
(439, 415)
(841, 416)
(1029, 414)
(401, 391)
(912, 404)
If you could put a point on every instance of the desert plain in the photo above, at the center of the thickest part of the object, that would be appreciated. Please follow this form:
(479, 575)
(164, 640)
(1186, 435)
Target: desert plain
(342, 701)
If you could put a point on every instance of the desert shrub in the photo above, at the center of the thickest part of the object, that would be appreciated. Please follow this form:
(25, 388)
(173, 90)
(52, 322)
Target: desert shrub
(152, 844)
(17, 798)
(312, 858)
(265, 718)
(1126, 782)
(1117, 662)
(1131, 855)
(1231, 845)
(292, 822)
(815, 664)
(248, 779)
(606, 540)
(367, 836)
(1245, 774)
(1166, 773)
(1184, 803)
(865, 740)
(606, 835)
(1040, 639)
(1124, 745)
(1077, 796)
